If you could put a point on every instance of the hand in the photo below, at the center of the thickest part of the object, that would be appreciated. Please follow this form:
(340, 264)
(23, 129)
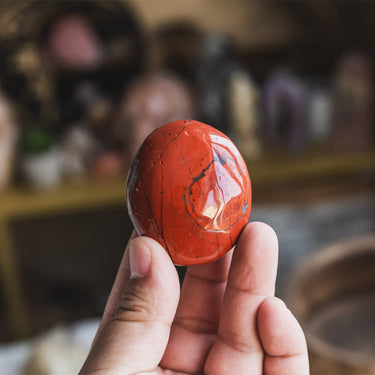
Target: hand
(226, 321)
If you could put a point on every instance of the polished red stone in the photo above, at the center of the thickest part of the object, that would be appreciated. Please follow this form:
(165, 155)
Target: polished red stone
(189, 189)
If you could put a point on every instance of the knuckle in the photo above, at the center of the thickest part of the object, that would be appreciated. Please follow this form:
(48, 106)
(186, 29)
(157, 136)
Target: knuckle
(239, 342)
(135, 305)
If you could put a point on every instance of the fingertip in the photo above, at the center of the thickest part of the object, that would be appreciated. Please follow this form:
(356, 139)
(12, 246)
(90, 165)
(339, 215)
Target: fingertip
(271, 303)
(272, 309)
(259, 231)
(255, 258)
(279, 330)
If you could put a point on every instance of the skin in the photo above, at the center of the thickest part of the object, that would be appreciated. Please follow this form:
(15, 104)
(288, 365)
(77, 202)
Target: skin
(226, 319)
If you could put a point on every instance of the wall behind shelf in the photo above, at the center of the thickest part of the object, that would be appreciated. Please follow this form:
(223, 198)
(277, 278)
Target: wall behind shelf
(252, 24)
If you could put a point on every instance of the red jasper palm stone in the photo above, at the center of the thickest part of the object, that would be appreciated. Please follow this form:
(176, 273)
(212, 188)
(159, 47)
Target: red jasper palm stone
(189, 189)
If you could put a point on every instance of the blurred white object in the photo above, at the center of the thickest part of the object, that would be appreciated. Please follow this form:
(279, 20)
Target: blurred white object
(353, 103)
(42, 170)
(285, 110)
(13, 356)
(78, 146)
(55, 354)
(8, 135)
(320, 115)
(244, 113)
(62, 350)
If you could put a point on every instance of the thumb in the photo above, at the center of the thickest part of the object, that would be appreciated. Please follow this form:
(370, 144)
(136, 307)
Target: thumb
(134, 340)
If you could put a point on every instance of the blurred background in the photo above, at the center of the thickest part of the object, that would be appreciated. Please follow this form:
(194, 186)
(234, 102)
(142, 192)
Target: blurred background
(81, 86)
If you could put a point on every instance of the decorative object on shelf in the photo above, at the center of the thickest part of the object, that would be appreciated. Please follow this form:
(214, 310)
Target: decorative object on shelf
(214, 73)
(73, 43)
(97, 108)
(353, 103)
(244, 113)
(95, 35)
(189, 189)
(40, 158)
(55, 353)
(285, 111)
(151, 101)
(78, 147)
(8, 136)
(319, 115)
(42, 171)
(107, 164)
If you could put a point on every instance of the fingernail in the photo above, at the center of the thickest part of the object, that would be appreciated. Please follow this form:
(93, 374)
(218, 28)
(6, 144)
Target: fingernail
(139, 259)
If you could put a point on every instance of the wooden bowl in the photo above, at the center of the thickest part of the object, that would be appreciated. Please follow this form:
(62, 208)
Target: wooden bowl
(332, 295)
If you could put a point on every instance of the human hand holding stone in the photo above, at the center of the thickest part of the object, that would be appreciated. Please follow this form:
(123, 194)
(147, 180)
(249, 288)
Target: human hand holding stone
(226, 319)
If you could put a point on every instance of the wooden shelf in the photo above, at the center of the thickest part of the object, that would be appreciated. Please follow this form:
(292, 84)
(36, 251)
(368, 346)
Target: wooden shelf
(80, 195)
(279, 167)
(272, 170)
